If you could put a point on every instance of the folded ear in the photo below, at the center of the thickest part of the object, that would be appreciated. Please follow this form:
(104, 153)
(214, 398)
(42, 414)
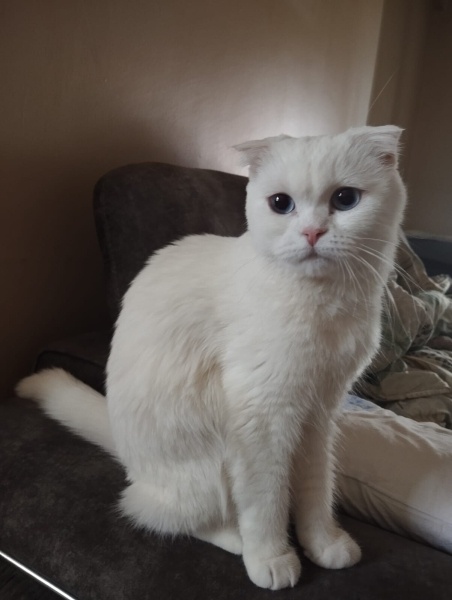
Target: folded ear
(253, 152)
(382, 142)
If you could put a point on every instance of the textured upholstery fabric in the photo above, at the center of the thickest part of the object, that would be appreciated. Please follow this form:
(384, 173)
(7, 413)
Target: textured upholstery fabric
(17, 585)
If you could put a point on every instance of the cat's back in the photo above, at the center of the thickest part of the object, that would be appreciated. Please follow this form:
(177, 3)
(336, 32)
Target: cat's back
(186, 272)
(171, 306)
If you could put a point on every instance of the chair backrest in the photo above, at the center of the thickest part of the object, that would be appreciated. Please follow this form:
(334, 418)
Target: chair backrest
(141, 208)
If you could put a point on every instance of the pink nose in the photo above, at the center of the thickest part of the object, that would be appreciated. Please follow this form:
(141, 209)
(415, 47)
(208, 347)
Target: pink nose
(313, 234)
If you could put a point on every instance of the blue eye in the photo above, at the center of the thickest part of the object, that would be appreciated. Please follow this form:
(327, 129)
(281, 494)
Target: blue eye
(345, 198)
(281, 203)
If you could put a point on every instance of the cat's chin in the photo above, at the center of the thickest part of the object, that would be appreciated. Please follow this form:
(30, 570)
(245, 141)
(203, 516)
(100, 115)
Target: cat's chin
(315, 267)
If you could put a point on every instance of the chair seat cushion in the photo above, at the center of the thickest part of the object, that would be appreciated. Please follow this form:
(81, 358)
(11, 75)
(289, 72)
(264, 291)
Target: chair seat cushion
(58, 516)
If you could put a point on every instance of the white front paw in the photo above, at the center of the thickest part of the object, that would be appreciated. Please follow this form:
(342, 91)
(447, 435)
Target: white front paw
(338, 552)
(274, 573)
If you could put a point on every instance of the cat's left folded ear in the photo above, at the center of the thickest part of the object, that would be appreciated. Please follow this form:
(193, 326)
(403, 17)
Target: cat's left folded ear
(253, 152)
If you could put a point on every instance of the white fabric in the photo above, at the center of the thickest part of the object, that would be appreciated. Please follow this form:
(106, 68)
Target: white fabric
(396, 473)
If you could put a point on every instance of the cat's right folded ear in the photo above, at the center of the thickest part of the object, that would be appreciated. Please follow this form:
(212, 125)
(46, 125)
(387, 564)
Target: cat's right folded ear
(252, 153)
(382, 142)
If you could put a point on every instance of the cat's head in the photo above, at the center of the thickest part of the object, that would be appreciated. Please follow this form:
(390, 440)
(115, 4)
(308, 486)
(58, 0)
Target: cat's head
(317, 203)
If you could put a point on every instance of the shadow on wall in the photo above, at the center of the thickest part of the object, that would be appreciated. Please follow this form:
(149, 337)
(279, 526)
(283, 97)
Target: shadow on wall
(51, 265)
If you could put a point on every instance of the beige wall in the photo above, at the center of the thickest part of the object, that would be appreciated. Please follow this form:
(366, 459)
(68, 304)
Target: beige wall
(429, 170)
(398, 68)
(88, 85)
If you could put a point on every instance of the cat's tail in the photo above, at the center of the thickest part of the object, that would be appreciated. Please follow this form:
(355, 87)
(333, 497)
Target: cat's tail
(72, 403)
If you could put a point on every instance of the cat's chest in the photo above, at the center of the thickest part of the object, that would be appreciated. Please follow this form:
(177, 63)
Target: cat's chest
(289, 330)
(310, 339)
(322, 336)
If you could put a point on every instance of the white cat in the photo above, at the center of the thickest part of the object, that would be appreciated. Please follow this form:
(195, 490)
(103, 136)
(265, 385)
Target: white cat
(231, 356)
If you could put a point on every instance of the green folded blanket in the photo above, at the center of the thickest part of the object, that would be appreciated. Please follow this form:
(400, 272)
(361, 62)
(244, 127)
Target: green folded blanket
(412, 372)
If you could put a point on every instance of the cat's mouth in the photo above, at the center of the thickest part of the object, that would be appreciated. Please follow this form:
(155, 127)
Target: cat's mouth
(312, 253)
(314, 257)
(315, 260)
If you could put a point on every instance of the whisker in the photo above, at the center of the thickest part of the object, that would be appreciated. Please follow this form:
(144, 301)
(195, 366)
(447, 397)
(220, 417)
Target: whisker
(392, 310)
(399, 270)
(355, 280)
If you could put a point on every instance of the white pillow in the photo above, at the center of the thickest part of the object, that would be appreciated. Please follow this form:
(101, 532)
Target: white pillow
(396, 473)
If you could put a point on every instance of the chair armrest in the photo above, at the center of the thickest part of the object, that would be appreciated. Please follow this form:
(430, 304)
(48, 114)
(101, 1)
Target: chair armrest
(84, 356)
(435, 253)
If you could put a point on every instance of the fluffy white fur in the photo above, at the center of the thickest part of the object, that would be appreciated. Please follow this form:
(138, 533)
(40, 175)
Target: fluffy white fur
(231, 355)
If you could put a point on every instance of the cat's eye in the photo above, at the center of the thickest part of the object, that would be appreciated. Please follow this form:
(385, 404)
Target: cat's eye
(345, 198)
(281, 203)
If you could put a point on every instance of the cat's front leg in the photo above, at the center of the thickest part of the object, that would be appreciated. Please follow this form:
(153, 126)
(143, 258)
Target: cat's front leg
(323, 540)
(260, 484)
